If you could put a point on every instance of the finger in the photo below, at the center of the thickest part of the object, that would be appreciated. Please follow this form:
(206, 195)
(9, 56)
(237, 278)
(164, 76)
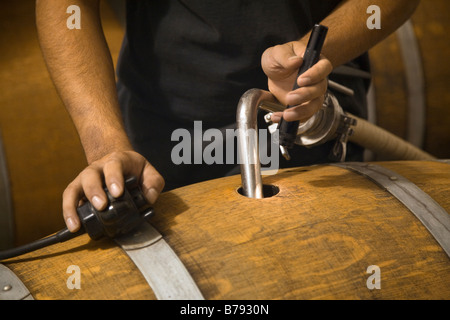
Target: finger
(316, 73)
(152, 183)
(280, 62)
(303, 112)
(276, 117)
(114, 175)
(286, 58)
(91, 182)
(133, 164)
(71, 197)
(308, 93)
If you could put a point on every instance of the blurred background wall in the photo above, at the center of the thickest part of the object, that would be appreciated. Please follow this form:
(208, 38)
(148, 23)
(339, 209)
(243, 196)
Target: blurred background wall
(41, 152)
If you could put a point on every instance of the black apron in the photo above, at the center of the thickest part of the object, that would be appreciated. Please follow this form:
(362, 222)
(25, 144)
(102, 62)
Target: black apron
(191, 60)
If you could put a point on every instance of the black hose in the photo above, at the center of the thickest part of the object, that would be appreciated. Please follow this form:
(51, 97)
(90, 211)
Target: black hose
(60, 236)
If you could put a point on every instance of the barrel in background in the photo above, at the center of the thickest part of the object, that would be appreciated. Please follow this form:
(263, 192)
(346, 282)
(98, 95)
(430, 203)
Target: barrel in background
(430, 25)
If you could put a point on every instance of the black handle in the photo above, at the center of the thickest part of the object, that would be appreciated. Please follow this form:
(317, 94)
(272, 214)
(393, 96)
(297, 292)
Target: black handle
(288, 130)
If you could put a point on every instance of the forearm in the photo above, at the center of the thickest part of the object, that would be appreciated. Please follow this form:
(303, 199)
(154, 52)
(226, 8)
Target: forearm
(82, 70)
(348, 35)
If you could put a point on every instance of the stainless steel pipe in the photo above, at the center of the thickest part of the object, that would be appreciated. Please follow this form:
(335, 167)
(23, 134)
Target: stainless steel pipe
(248, 147)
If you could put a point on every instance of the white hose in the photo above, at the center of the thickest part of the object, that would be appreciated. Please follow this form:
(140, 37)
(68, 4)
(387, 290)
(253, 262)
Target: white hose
(384, 143)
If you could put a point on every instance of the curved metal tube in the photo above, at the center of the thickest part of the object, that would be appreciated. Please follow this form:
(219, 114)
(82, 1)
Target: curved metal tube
(248, 148)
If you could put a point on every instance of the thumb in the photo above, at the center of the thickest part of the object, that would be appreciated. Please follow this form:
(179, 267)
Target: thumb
(280, 62)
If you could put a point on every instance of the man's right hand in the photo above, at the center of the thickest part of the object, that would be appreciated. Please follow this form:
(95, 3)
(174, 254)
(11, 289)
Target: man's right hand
(109, 171)
(82, 70)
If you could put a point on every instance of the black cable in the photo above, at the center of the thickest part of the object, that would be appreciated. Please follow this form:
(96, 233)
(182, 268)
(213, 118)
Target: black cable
(60, 236)
(122, 215)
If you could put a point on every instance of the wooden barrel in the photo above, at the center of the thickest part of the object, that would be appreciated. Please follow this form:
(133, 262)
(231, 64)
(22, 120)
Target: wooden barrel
(410, 72)
(321, 236)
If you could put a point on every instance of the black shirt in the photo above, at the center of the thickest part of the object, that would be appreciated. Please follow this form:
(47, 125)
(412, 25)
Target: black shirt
(189, 60)
(193, 59)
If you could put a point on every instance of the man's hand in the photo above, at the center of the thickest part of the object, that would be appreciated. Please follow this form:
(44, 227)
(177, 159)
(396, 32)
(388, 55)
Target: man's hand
(281, 63)
(112, 169)
(83, 73)
(347, 38)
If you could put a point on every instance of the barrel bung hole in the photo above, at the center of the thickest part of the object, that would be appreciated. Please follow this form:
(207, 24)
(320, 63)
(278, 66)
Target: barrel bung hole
(268, 190)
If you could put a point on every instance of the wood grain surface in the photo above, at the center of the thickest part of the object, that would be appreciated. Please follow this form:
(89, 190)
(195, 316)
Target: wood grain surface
(315, 239)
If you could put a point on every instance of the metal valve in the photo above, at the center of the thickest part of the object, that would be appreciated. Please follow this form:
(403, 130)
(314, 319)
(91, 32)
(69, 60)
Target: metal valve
(329, 123)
